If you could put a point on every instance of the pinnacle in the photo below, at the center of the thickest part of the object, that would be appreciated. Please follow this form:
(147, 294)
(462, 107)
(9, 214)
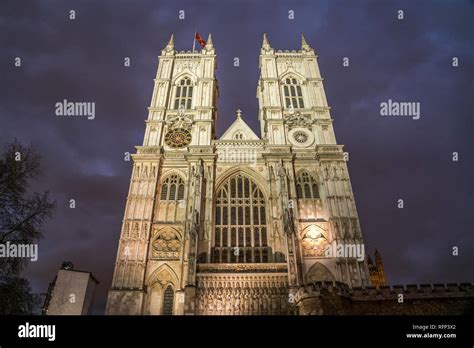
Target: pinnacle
(170, 45)
(265, 44)
(209, 44)
(304, 44)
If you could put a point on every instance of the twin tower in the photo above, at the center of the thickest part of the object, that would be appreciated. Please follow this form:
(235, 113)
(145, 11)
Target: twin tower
(234, 225)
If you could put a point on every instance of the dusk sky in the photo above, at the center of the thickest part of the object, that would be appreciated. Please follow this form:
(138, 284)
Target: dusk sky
(391, 158)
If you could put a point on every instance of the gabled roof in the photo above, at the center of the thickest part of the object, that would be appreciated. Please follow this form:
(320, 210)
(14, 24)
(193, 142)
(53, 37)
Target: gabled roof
(239, 126)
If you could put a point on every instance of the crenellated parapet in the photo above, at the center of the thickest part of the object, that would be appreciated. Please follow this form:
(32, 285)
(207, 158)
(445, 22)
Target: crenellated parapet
(338, 298)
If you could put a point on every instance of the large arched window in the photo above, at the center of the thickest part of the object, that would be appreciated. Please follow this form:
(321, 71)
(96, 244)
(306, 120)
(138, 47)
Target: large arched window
(184, 94)
(240, 222)
(306, 186)
(293, 93)
(168, 298)
(172, 188)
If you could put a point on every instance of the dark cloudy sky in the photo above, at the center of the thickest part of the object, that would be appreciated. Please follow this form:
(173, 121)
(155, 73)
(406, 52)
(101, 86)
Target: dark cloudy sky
(390, 158)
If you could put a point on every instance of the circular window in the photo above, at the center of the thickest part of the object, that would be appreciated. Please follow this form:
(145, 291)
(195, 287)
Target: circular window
(301, 137)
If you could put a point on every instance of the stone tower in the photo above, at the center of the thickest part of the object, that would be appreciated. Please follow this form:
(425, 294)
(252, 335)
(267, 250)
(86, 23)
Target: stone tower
(171, 183)
(376, 270)
(236, 224)
(297, 126)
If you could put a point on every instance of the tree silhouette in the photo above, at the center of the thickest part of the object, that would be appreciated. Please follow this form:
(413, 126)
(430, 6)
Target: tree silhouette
(22, 215)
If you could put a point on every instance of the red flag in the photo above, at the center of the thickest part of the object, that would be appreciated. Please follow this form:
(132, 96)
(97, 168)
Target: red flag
(200, 40)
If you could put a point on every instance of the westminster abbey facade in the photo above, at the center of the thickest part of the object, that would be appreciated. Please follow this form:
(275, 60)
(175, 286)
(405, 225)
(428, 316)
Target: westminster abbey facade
(236, 224)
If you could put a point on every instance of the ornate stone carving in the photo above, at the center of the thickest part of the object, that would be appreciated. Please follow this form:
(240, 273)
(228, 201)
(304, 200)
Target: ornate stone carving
(166, 245)
(135, 231)
(243, 268)
(314, 246)
(298, 120)
(289, 64)
(242, 295)
(174, 155)
(187, 64)
(179, 127)
(126, 230)
(148, 149)
(314, 239)
(181, 120)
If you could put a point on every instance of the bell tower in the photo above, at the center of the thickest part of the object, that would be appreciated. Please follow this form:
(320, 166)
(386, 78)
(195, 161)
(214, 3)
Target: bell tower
(184, 96)
(291, 95)
(315, 197)
(169, 202)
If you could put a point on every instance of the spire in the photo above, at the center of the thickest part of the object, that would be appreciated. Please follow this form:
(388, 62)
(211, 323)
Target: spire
(209, 42)
(304, 44)
(170, 45)
(265, 44)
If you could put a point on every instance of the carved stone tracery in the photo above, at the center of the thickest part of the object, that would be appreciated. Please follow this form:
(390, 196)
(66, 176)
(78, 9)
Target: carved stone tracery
(166, 245)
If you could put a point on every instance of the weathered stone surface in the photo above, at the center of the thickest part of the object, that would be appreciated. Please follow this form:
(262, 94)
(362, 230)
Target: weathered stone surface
(339, 299)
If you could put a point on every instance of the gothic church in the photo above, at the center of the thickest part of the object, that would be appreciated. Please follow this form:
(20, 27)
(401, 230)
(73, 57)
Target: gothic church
(234, 225)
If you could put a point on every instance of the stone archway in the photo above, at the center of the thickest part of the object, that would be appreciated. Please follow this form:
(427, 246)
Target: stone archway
(318, 273)
(161, 280)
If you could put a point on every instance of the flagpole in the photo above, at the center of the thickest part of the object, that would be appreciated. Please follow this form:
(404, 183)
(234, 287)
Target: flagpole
(194, 41)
